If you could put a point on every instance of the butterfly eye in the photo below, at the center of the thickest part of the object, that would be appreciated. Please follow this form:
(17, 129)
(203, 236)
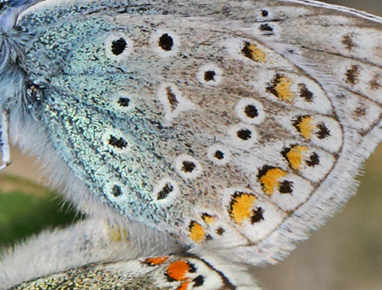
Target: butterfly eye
(118, 47)
(210, 75)
(250, 111)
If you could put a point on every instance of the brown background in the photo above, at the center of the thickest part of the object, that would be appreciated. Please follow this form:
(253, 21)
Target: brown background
(344, 254)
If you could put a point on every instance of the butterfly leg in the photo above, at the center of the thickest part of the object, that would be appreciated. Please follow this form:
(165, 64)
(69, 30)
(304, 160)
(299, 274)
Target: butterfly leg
(4, 141)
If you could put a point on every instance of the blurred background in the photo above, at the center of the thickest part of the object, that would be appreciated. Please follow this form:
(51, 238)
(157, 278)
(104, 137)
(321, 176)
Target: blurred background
(344, 254)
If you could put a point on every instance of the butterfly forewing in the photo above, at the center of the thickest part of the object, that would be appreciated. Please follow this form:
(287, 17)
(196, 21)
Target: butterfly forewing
(229, 125)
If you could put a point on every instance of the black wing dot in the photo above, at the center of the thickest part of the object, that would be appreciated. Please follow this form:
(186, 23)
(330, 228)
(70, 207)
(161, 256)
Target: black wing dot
(323, 131)
(313, 160)
(219, 155)
(286, 187)
(166, 190)
(171, 97)
(264, 13)
(220, 231)
(266, 28)
(209, 76)
(188, 166)
(352, 74)
(257, 215)
(166, 42)
(198, 281)
(118, 46)
(244, 134)
(116, 191)
(305, 93)
(251, 111)
(124, 102)
(117, 142)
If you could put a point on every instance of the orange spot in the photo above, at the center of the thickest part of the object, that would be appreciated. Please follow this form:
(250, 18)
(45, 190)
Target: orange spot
(184, 285)
(295, 156)
(156, 260)
(271, 180)
(197, 232)
(283, 89)
(178, 270)
(208, 219)
(306, 127)
(253, 52)
(242, 207)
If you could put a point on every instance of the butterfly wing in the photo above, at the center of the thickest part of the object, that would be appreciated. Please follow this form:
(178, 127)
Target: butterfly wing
(229, 125)
(93, 255)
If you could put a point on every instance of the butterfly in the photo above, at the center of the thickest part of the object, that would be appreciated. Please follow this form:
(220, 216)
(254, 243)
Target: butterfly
(227, 126)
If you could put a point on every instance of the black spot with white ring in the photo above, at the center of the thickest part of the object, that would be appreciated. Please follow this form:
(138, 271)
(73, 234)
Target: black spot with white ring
(118, 46)
(209, 76)
(219, 155)
(120, 143)
(244, 134)
(124, 102)
(250, 111)
(188, 166)
(166, 42)
(116, 190)
(166, 190)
